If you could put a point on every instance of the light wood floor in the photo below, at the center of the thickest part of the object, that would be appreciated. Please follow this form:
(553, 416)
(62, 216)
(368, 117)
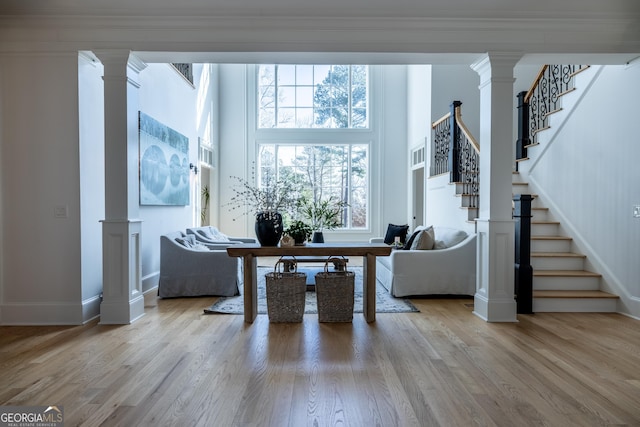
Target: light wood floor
(441, 367)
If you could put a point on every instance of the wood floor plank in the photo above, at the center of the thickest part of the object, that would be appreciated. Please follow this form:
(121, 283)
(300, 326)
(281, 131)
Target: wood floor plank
(440, 367)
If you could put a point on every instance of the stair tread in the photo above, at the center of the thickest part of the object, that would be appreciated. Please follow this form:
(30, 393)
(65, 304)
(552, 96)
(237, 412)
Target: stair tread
(558, 254)
(546, 222)
(550, 238)
(565, 273)
(573, 294)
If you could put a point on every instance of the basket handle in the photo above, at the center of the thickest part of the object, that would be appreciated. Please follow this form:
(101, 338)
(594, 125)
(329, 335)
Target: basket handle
(282, 262)
(335, 260)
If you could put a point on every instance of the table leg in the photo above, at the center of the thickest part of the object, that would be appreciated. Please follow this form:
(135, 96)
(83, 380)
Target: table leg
(250, 288)
(369, 288)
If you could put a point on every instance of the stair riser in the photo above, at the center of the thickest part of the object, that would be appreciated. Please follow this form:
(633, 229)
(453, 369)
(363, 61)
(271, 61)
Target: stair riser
(466, 201)
(517, 188)
(544, 229)
(566, 283)
(557, 263)
(550, 245)
(472, 214)
(574, 305)
(539, 215)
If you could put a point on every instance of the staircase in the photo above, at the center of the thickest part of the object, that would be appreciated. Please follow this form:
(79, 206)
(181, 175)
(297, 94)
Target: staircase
(560, 281)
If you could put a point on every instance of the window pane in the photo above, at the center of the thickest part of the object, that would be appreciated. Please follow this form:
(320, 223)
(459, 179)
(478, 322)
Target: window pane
(324, 171)
(304, 117)
(267, 117)
(287, 75)
(286, 96)
(286, 117)
(304, 96)
(304, 75)
(320, 73)
(323, 87)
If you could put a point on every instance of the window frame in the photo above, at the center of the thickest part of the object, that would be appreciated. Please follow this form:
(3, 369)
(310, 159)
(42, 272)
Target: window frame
(313, 108)
(371, 136)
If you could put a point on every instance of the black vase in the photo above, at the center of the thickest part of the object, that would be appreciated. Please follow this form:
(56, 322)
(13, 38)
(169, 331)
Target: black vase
(318, 237)
(268, 228)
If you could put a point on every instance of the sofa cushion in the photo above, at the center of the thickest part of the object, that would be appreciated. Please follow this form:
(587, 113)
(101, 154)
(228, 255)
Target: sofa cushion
(188, 240)
(212, 233)
(200, 247)
(394, 231)
(425, 240)
(448, 237)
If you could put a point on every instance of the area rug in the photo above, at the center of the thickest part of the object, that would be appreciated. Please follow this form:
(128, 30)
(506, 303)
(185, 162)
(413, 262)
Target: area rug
(385, 303)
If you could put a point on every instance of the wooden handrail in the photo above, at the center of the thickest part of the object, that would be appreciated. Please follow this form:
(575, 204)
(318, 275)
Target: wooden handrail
(440, 120)
(466, 132)
(529, 94)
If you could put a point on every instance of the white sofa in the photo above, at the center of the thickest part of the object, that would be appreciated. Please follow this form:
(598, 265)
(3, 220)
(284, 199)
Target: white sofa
(189, 269)
(448, 269)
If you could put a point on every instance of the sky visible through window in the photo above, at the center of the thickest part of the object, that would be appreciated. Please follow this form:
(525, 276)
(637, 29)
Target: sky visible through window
(313, 96)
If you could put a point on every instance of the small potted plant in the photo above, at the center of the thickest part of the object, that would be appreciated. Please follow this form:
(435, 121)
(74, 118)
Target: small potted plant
(299, 231)
(322, 214)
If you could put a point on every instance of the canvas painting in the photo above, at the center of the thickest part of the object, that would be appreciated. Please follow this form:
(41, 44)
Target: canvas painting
(164, 164)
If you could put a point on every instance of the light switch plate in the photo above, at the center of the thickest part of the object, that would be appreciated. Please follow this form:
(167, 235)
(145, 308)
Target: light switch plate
(636, 211)
(61, 211)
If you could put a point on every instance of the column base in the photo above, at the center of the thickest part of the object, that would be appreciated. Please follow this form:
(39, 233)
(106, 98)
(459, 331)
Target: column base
(494, 310)
(121, 312)
(122, 298)
(494, 300)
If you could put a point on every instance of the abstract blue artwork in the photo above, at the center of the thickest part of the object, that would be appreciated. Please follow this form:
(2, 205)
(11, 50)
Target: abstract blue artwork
(164, 164)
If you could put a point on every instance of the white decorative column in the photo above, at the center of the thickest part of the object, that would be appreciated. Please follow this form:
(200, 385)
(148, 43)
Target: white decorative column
(123, 301)
(494, 299)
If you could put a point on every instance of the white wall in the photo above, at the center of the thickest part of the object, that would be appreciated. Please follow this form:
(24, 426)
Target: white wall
(92, 195)
(393, 164)
(39, 174)
(450, 83)
(588, 175)
(456, 83)
(419, 129)
(166, 96)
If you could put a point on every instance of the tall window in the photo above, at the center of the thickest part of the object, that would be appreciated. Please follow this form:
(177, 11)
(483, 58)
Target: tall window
(313, 96)
(313, 99)
(324, 171)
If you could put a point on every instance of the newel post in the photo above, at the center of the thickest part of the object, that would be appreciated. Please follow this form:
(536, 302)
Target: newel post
(454, 146)
(523, 127)
(523, 269)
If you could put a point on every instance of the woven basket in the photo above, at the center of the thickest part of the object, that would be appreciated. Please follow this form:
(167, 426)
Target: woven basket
(285, 294)
(334, 292)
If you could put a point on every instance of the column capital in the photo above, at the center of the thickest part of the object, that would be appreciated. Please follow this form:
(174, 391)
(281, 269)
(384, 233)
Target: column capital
(120, 63)
(496, 67)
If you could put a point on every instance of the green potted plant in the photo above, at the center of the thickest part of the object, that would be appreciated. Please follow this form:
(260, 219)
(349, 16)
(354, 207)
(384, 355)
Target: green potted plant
(299, 231)
(322, 214)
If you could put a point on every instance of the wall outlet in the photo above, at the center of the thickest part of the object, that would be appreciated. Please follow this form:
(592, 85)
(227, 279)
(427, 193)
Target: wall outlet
(61, 211)
(636, 211)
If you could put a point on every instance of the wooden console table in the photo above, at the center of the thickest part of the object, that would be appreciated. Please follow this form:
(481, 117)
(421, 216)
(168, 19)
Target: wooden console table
(250, 253)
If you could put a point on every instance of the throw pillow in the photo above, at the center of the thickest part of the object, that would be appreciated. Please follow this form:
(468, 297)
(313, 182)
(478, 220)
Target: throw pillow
(425, 240)
(187, 241)
(217, 235)
(407, 245)
(396, 230)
